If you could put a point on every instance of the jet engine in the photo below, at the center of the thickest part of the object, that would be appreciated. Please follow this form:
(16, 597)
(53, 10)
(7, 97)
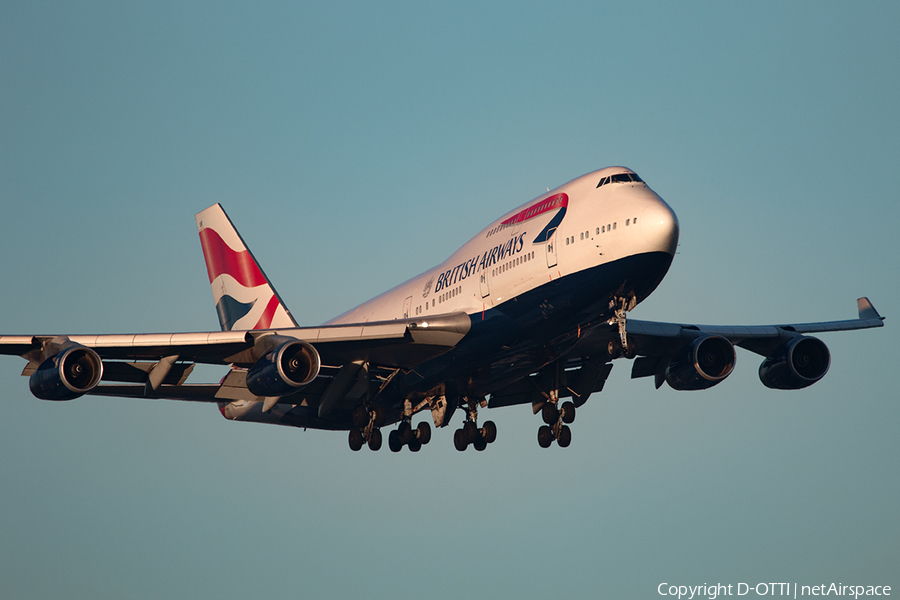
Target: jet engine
(284, 369)
(798, 364)
(701, 364)
(67, 375)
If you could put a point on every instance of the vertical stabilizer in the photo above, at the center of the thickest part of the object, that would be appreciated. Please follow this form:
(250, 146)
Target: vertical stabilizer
(243, 295)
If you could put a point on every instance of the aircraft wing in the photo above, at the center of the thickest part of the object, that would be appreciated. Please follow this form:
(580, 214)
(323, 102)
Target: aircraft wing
(163, 361)
(655, 338)
(658, 346)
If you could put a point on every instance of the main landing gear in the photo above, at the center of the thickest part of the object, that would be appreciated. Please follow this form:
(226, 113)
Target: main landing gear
(367, 423)
(470, 433)
(405, 435)
(557, 421)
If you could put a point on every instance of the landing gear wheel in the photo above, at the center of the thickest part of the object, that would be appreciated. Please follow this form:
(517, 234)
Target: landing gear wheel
(471, 431)
(568, 412)
(565, 437)
(380, 413)
(550, 413)
(375, 440)
(356, 439)
(614, 348)
(545, 436)
(404, 430)
(360, 416)
(394, 442)
(460, 440)
(480, 444)
(415, 445)
(489, 432)
(424, 430)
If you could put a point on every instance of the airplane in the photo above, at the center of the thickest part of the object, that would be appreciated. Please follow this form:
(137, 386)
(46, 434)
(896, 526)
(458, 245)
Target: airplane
(531, 311)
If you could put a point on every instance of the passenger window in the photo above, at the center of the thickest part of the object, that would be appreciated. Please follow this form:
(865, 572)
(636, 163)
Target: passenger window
(614, 225)
(627, 222)
(634, 220)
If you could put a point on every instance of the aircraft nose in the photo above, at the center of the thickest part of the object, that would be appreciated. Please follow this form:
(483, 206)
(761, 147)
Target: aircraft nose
(660, 227)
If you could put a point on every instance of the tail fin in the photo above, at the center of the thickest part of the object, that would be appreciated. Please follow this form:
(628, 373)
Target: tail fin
(244, 297)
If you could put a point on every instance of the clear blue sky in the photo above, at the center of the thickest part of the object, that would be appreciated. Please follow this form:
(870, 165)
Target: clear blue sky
(355, 145)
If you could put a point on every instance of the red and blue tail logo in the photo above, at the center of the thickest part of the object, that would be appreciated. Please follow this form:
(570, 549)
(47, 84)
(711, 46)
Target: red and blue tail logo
(243, 295)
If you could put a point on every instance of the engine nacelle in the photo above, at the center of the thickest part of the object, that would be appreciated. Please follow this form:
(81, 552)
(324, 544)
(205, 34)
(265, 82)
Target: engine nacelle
(798, 364)
(701, 364)
(65, 376)
(286, 368)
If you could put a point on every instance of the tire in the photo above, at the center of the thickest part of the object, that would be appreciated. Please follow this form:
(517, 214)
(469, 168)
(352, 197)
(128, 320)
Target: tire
(545, 436)
(424, 430)
(550, 413)
(404, 430)
(565, 437)
(375, 440)
(380, 415)
(356, 439)
(459, 440)
(480, 444)
(490, 432)
(415, 445)
(394, 442)
(568, 412)
(614, 348)
(471, 431)
(360, 416)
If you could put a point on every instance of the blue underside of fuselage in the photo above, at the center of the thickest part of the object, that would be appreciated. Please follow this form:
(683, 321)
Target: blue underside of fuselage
(518, 337)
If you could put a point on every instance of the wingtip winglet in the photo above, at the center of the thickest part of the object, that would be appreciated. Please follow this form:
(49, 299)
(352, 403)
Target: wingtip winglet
(866, 310)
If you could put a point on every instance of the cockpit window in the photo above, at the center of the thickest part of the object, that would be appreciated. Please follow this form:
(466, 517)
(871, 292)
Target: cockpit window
(621, 178)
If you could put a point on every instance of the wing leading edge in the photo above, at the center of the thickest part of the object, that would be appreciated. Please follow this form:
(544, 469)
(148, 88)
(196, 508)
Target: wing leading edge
(400, 344)
(672, 351)
(650, 334)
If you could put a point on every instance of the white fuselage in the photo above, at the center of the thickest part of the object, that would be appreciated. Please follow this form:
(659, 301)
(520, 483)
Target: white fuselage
(508, 257)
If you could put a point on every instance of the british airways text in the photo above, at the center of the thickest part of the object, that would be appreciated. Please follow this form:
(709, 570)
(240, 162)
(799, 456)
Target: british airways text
(480, 263)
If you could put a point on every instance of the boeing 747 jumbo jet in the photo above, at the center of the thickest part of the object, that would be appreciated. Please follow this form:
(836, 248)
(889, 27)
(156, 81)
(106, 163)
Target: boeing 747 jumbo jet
(531, 311)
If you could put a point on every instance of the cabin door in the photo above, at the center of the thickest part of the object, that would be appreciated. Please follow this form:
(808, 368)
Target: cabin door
(551, 248)
(485, 284)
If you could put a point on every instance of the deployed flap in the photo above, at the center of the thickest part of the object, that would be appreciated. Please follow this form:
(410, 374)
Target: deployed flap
(340, 385)
(591, 378)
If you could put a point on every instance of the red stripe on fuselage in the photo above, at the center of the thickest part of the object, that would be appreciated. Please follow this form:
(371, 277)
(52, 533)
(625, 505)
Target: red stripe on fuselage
(545, 205)
(220, 258)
